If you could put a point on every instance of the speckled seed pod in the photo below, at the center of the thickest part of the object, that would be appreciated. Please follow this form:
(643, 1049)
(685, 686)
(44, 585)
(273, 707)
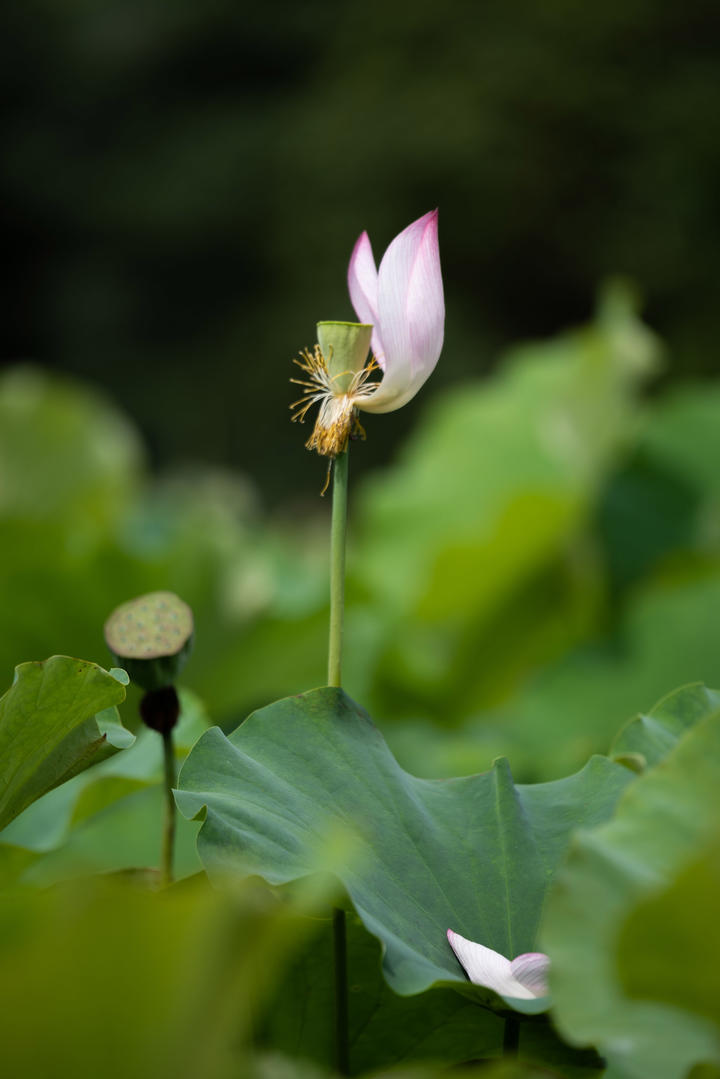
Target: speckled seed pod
(151, 637)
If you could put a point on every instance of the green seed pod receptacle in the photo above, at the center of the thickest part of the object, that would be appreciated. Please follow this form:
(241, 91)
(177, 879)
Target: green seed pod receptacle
(151, 637)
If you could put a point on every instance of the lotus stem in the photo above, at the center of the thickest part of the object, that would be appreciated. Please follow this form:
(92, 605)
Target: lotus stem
(168, 837)
(511, 1037)
(338, 531)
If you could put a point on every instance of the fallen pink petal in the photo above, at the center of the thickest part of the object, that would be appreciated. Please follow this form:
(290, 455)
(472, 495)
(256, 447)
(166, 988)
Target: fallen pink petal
(524, 978)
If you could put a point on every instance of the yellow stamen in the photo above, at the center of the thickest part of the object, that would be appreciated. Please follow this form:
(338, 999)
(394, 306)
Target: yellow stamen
(337, 419)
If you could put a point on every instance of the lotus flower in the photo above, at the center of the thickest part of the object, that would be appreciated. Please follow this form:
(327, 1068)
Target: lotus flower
(402, 314)
(524, 977)
(403, 301)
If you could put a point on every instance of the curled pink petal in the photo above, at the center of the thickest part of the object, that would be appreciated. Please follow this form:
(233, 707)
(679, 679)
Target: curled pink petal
(531, 970)
(425, 301)
(411, 313)
(363, 288)
(492, 970)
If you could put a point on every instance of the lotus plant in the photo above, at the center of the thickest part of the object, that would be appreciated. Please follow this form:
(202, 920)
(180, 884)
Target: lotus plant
(402, 316)
(524, 978)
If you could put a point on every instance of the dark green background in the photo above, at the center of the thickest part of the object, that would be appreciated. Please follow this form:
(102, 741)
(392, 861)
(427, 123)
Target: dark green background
(183, 184)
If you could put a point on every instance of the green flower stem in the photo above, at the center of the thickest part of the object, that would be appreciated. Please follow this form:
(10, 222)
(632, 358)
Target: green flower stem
(338, 533)
(168, 838)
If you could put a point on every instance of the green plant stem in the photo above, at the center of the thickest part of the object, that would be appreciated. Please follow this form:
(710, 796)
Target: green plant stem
(168, 839)
(342, 1052)
(511, 1037)
(338, 531)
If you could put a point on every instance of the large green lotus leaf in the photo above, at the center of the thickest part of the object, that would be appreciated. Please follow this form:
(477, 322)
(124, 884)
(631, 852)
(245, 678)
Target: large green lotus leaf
(107, 818)
(475, 854)
(56, 719)
(660, 824)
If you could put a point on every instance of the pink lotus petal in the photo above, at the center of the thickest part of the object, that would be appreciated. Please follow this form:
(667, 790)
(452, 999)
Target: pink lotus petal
(492, 970)
(531, 970)
(411, 312)
(425, 301)
(363, 288)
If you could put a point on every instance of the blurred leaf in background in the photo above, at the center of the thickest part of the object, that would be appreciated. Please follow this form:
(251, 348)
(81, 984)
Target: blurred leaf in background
(107, 819)
(633, 946)
(104, 535)
(110, 979)
(474, 544)
(182, 189)
(539, 563)
(57, 718)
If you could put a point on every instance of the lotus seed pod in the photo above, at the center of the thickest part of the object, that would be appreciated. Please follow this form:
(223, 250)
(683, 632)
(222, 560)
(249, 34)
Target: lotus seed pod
(345, 346)
(151, 637)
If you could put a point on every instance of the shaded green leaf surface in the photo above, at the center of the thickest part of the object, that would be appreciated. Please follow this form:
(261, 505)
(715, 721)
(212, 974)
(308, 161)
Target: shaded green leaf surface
(474, 854)
(53, 723)
(109, 978)
(387, 1030)
(384, 1029)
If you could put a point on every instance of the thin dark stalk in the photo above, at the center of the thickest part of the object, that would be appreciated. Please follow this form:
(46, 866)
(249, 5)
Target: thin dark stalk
(342, 1053)
(511, 1037)
(168, 838)
(338, 532)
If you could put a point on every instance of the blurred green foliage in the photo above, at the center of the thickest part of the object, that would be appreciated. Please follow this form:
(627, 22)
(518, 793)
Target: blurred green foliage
(110, 979)
(57, 718)
(628, 922)
(542, 560)
(108, 818)
(479, 854)
(183, 184)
